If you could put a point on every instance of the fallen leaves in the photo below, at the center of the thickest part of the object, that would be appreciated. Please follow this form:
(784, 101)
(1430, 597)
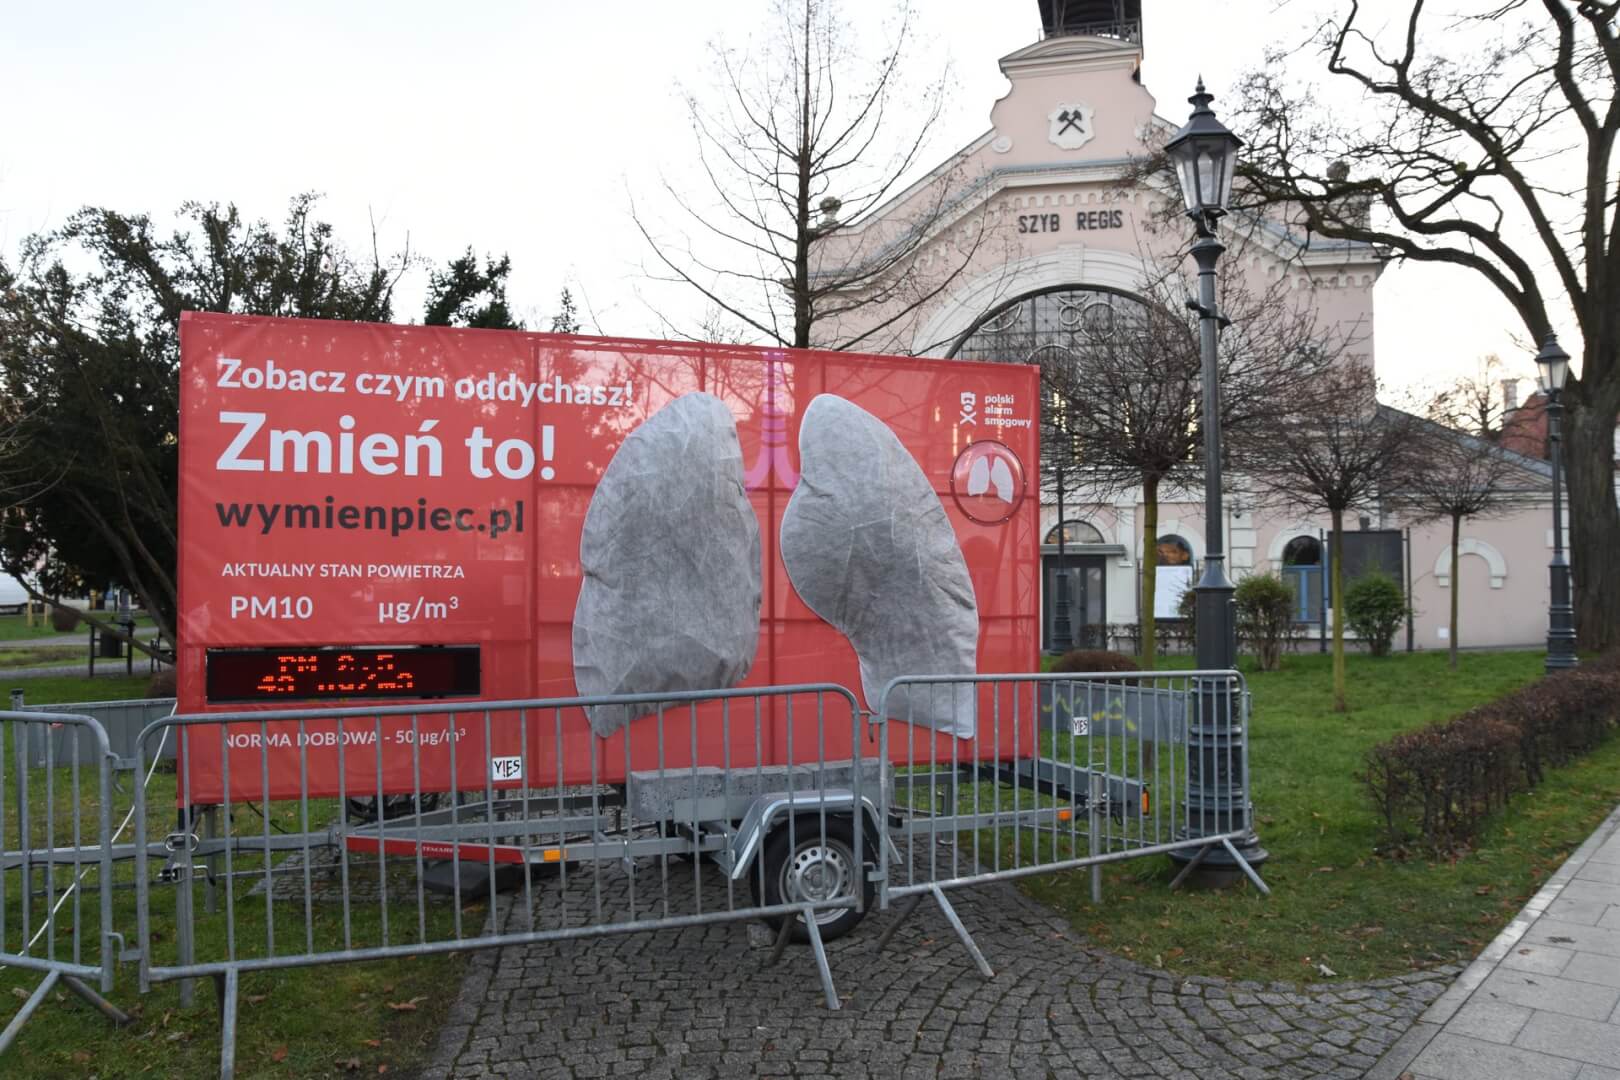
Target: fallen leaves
(406, 1006)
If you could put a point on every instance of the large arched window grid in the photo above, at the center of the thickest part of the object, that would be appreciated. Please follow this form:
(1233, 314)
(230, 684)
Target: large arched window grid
(1069, 317)
(1053, 329)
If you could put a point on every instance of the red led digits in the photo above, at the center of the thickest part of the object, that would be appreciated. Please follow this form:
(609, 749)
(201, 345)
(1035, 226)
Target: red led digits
(285, 679)
(337, 672)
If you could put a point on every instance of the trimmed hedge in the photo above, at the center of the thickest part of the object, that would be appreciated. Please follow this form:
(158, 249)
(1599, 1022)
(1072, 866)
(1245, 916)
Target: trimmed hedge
(1433, 788)
(1088, 660)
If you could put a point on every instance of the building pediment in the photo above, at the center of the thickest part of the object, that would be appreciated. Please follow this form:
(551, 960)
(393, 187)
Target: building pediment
(1069, 54)
(1073, 98)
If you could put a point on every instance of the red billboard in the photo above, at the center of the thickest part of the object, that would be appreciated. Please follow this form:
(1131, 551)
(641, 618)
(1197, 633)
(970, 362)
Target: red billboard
(378, 514)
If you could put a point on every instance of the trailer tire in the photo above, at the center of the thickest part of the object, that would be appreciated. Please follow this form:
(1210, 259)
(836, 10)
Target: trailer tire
(799, 863)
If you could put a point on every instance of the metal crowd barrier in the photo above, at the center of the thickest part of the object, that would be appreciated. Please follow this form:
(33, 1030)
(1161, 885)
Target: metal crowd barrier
(1063, 772)
(55, 836)
(123, 721)
(624, 835)
(264, 840)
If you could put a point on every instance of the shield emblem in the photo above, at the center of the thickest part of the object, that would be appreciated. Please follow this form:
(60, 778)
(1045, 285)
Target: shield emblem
(1069, 126)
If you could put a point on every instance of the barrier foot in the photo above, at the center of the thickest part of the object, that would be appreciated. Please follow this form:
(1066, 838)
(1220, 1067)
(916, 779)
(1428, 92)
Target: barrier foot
(894, 923)
(1192, 864)
(961, 932)
(96, 1001)
(225, 987)
(827, 987)
(10, 1034)
(1243, 864)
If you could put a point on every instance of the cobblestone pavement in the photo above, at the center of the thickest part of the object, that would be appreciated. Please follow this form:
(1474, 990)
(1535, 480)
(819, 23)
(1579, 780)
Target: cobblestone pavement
(701, 1002)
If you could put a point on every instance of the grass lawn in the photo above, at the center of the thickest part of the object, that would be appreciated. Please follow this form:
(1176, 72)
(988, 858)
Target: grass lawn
(58, 689)
(16, 628)
(355, 1019)
(25, 656)
(1334, 901)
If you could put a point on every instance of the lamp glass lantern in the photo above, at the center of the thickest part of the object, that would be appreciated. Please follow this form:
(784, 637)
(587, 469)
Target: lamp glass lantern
(1204, 152)
(1552, 366)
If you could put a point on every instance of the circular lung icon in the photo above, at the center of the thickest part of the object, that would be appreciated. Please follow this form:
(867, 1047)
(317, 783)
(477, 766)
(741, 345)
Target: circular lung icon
(987, 482)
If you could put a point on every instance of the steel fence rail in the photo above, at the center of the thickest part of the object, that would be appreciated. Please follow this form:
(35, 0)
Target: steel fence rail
(1060, 772)
(53, 836)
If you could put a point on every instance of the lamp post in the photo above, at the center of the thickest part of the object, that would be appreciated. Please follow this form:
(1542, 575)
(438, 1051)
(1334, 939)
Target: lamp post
(1204, 153)
(1552, 368)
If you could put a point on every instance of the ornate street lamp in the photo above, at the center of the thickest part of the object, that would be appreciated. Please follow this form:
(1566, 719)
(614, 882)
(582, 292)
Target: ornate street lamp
(1204, 153)
(1552, 368)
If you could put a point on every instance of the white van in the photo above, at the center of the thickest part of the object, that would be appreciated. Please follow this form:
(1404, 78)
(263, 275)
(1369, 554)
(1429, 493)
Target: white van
(12, 595)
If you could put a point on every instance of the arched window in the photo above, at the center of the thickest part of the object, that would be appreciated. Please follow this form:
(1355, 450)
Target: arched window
(1037, 328)
(1075, 532)
(1303, 551)
(1174, 551)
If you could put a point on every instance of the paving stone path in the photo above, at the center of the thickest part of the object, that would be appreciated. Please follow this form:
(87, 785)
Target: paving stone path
(701, 1002)
(1542, 1002)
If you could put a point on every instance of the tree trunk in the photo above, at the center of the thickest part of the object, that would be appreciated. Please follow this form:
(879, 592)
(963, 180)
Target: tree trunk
(1150, 570)
(1456, 586)
(801, 207)
(1594, 519)
(1340, 704)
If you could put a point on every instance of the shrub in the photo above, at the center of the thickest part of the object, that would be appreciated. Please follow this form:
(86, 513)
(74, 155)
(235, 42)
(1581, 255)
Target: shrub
(1435, 786)
(1088, 660)
(1265, 617)
(64, 618)
(1374, 608)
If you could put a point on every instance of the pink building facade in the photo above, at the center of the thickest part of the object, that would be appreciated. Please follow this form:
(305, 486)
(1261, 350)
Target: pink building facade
(1044, 225)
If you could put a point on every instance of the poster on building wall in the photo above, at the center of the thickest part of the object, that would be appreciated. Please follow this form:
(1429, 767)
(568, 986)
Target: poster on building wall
(383, 515)
(1169, 583)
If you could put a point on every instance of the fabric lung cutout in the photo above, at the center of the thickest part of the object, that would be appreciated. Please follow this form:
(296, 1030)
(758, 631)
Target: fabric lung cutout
(868, 547)
(671, 559)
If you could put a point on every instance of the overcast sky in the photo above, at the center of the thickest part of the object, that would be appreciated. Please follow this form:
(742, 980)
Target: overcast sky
(523, 128)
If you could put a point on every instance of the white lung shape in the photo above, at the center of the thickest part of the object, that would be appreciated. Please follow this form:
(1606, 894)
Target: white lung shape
(671, 559)
(978, 476)
(1001, 478)
(868, 547)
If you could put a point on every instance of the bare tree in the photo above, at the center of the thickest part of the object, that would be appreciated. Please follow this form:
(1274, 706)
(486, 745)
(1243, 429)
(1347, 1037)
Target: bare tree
(1456, 477)
(1486, 141)
(798, 148)
(1336, 449)
(1473, 403)
(1123, 391)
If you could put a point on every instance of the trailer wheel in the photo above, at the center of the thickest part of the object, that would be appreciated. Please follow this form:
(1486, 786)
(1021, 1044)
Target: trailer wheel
(801, 864)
